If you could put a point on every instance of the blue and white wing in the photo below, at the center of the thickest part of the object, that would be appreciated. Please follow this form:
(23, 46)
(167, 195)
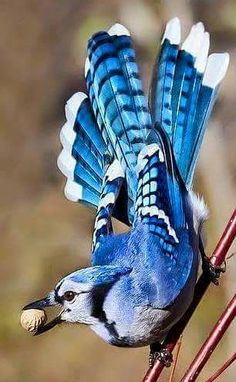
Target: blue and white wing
(159, 202)
(81, 159)
(112, 123)
(162, 208)
(112, 183)
(84, 157)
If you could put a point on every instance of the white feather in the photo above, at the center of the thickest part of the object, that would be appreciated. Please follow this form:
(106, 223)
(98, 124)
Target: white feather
(155, 211)
(100, 223)
(200, 210)
(192, 43)
(172, 31)
(217, 65)
(72, 106)
(66, 163)
(148, 151)
(107, 199)
(73, 191)
(67, 136)
(115, 171)
(118, 30)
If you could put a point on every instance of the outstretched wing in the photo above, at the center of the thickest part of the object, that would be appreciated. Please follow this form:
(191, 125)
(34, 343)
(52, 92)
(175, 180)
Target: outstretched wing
(112, 122)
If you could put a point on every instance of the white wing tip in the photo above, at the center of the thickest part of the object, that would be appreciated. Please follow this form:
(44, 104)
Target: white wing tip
(72, 106)
(118, 30)
(67, 136)
(172, 31)
(73, 191)
(192, 43)
(217, 65)
(200, 26)
(115, 170)
(66, 164)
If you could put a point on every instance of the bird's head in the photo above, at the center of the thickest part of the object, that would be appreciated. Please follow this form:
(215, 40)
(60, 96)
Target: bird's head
(77, 295)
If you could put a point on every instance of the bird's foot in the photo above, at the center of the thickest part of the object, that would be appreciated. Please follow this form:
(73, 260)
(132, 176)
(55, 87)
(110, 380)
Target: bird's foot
(212, 271)
(157, 352)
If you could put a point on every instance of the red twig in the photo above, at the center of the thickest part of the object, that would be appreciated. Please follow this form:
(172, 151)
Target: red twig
(222, 368)
(211, 342)
(217, 258)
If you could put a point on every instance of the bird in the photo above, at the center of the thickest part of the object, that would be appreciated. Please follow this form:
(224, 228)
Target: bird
(133, 158)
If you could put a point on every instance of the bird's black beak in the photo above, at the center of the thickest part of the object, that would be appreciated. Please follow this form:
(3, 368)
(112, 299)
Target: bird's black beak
(42, 329)
(48, 301)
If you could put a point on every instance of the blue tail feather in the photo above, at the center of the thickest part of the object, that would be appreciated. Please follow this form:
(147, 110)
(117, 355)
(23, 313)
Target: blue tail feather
(127, 58)
(206, 100)
(187, 147)
(163, 79)
(112, 92)
(116, 93)
(182, 96)
(91, 136)
(96, 110)
(114, 121)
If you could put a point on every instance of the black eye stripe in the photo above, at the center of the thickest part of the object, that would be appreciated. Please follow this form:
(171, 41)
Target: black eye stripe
(61, 299)
(57, 297)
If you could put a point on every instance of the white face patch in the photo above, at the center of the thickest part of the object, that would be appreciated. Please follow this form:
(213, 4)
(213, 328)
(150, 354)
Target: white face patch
(78, 310)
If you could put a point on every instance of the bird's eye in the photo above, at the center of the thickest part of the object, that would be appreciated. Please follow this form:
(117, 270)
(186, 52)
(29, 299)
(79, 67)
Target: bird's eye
(69, 296)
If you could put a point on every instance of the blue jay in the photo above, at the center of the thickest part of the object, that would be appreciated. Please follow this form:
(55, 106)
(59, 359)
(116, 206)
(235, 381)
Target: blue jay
(134, 160)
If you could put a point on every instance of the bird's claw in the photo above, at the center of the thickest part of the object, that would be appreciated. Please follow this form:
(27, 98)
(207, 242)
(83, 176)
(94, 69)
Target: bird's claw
(163, 355)
(213, 271)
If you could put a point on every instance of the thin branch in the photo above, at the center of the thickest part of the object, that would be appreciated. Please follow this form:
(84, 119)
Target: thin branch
(211, 342)
(222, 368)
(230, 256)
(217, 258)
(178, 346)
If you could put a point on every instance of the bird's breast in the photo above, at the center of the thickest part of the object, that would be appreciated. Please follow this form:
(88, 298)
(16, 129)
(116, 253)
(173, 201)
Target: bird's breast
(148, 326)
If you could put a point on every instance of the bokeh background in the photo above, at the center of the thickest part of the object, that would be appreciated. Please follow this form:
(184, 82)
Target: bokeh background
(43, 236)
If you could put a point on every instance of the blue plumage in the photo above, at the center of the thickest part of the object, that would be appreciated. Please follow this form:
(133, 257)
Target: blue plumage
(137, 165)
(83, 150)
(179, 94)
(162, 85)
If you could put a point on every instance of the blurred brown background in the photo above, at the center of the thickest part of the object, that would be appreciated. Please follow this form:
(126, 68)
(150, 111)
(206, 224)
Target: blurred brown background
(43, 236)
